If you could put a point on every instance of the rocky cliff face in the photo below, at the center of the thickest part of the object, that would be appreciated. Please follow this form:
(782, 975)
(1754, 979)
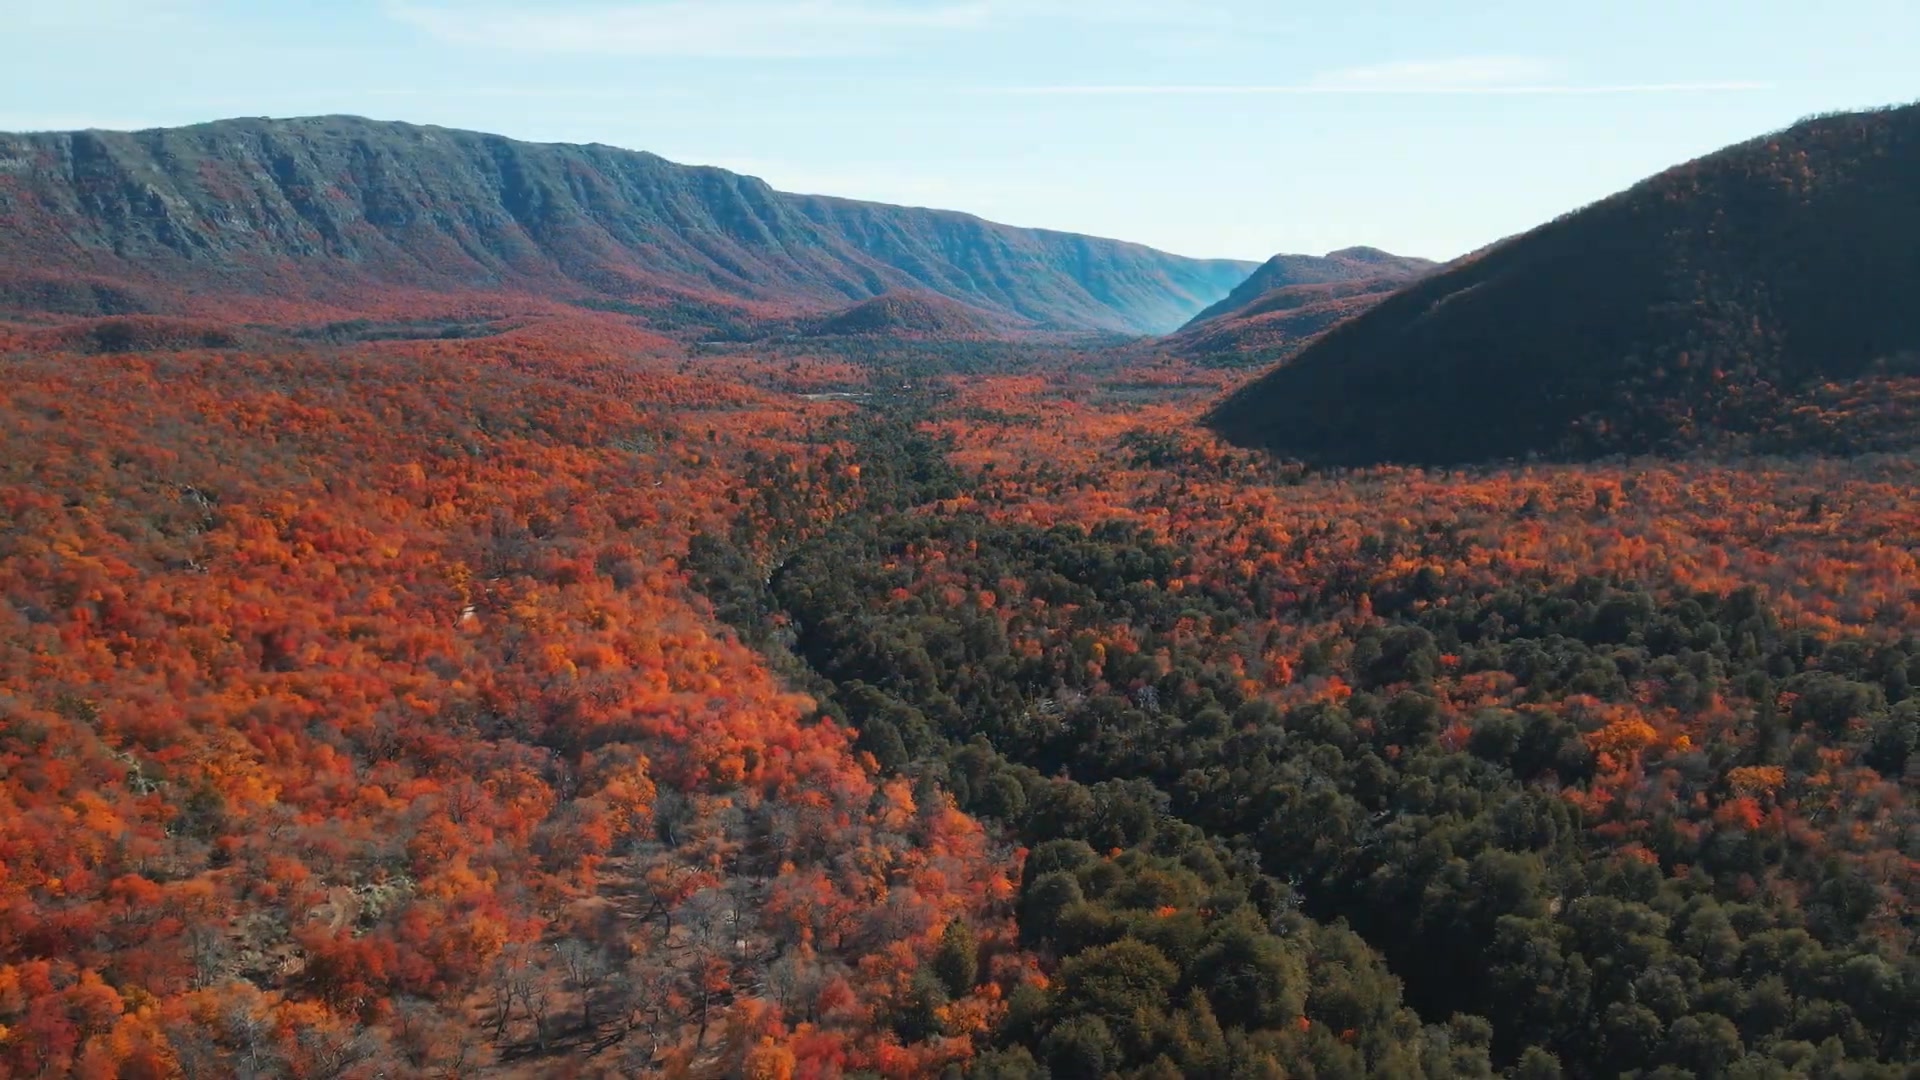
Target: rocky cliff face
(330, 207)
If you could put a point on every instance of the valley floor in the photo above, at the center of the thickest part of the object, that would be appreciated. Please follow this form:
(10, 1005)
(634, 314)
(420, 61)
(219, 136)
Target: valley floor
(553, 702)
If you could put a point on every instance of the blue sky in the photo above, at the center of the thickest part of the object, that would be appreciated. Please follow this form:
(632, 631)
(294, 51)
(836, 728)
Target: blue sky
(1216, 127)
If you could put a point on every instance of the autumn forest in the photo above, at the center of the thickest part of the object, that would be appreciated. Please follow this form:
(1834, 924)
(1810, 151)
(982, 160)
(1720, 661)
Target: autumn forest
(613, 673)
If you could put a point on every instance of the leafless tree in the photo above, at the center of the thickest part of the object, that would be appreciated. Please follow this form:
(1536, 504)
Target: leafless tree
(587, 969)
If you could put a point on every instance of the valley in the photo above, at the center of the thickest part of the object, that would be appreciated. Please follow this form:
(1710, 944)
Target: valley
(448, 629)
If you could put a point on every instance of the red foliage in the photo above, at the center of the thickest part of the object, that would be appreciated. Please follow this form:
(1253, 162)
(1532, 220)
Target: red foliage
(345, 690)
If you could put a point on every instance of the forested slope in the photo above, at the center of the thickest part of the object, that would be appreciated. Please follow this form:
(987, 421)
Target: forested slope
(367, 708)
(1730, 301)
(1390, 774)
(355, 721)
(1348, 265)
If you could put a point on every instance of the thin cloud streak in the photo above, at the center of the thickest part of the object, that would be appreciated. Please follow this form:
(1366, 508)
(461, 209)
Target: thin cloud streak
(1464, 76)
(687, 28)
(526, 93)
(1317, 89)
(1455, 71)
(776, 29)
(1135, 13)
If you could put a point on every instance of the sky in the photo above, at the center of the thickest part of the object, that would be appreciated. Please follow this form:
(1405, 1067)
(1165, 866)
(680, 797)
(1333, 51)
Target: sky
(1223, 128)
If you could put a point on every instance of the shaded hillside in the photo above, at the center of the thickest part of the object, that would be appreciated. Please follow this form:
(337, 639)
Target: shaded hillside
(905, 314)
(342, 209)
(1714, 304)
(1251, 296)
(1279, 309)
(1276, 325)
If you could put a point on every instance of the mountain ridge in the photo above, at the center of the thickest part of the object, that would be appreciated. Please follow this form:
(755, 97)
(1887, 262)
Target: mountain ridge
(1728, 301)
(1335, 267)
(1289, 301)
(333, 207)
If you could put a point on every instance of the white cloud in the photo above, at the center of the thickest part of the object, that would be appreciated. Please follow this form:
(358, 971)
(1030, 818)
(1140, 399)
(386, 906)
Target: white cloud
(1157, 13)
(772, 29)
(696, 28)
(1461, 75)
(1452, 74)
(1471, 75)
(459, 92)
(1218, 90)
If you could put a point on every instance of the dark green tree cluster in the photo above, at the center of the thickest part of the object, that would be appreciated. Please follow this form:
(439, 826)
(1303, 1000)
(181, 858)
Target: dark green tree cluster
(1383, 886)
